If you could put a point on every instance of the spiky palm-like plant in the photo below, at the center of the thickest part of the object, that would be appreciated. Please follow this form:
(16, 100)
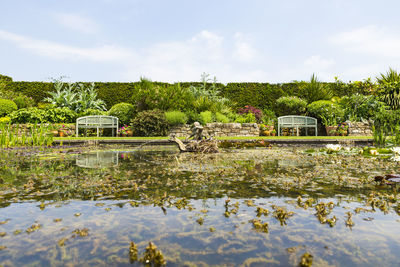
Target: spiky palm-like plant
(389, 88)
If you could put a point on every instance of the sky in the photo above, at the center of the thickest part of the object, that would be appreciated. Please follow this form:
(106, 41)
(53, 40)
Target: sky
(178, 40)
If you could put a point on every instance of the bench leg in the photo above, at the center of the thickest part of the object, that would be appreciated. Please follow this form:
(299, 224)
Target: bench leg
(97, 131)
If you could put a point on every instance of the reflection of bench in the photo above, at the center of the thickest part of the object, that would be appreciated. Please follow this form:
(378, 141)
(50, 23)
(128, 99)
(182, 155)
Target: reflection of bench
(97, 122)
(297, 122)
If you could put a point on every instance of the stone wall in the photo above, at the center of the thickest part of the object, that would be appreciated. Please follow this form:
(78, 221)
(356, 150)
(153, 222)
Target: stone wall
(359, 128)
(220, 129)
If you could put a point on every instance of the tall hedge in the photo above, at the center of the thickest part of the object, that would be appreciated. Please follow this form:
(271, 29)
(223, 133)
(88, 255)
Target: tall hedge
(260, 95)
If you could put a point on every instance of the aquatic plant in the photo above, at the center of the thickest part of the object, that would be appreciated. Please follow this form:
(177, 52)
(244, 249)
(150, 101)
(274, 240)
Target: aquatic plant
(152, 256)
(37, 136)
(333, 147)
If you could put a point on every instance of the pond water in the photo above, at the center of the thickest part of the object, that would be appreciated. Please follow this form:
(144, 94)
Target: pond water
(248, 207)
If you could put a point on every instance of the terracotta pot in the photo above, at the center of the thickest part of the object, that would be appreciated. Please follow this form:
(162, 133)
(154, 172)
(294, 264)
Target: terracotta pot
(330, 130)
(129, 133)
(273, 134)
(61, 134)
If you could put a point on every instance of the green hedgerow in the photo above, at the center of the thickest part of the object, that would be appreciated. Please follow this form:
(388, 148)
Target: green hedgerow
(7, 106)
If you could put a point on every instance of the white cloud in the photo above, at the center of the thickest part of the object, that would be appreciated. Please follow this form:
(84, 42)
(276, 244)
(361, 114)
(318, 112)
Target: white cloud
(166, 61)
(187, 59)
(77, 23)
(243, 50)
(369, 40)
(61, 51)
(317, 63)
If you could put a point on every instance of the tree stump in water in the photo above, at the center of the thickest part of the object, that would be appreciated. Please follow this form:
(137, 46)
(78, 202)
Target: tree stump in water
(202, 146)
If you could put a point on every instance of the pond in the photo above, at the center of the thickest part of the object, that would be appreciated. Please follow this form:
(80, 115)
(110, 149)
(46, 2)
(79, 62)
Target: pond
(240, 207)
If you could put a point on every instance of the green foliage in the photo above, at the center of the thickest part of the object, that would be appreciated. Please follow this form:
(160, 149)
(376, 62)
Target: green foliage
(246, 118)
(389, 88)
(206, 117)
(6, 107)
(28, 115)
(150, 123)
(314, 90)
(49, 114)
(206, 96)
(149, 95)
(290, 105)
(24, 101)
(91, 112)
(5, 78)
(269, 117)
(261, 95)
(340, 88)
(176, 117)
(386, 126)
(75, 96)
(327, 111)
(37, 136)
(219, 117)
(123, 111)
(359, 107)
(193, 116)
(59, 115)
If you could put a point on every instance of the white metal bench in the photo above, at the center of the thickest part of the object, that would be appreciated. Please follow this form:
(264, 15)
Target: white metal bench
(97, 122)
(297, 122)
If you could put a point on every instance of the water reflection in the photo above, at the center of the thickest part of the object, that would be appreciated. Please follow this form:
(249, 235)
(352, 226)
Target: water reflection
(256, 207)
(98, 159)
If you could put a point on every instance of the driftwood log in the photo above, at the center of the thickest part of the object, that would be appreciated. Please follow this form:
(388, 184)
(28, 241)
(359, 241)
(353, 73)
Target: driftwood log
(202, 146)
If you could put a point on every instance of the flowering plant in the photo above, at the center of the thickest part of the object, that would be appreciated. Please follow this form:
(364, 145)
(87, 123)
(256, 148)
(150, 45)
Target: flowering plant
(123, 130)
(342, 129)
(250, 109)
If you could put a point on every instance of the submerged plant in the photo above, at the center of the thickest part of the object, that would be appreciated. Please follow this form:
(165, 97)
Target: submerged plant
(152, 256)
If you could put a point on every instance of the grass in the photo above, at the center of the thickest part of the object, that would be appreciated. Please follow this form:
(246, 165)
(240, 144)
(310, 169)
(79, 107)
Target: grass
(220, 138)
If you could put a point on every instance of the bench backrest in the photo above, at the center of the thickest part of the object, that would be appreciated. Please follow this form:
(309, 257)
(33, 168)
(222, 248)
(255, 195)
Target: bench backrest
(97, 120)
(297, 121)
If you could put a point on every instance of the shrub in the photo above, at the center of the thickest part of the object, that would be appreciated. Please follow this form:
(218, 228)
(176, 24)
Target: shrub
(150, 123)
(49, 114)
(249, 109)
(123, 111)
(290, 105)
(28, 115)
(59, 115)
(359, 107)
(193, 116)
(91, 112)
(206, 117)
(149, 95)
(24, 101)
(219, 117)
(176, 117)
(325, 110)
(246, 118)
(6, 107)
(269, 117)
